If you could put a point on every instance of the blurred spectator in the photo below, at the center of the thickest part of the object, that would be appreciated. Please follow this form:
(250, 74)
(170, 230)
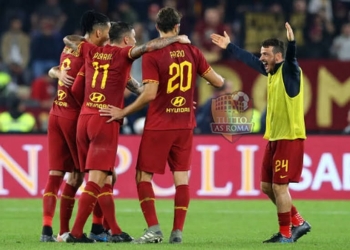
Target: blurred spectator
(318, 38)
(5, 81)
(297, 20)
(44, 90)
(46, 47)
(74, 10)
(347, 128)
(341, 44)
(15, 45)
(16, 119)
(50, 9)
(211, 23)
(341, 16)
(150, 26)
(315, 6)
(124, 12)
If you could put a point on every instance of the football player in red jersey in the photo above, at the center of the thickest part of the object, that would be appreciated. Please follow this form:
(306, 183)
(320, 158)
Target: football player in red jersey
(63, 156)
(169, 86)
(107, 70)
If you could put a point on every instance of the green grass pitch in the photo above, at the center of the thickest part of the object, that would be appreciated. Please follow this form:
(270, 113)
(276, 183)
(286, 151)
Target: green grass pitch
(210, 224)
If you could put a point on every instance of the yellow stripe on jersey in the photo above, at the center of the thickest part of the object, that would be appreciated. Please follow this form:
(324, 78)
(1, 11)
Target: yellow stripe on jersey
(150, 81)
(206, 72)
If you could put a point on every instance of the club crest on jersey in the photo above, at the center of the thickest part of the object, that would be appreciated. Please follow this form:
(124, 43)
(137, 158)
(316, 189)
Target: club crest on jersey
(97, 97)
(232, 115)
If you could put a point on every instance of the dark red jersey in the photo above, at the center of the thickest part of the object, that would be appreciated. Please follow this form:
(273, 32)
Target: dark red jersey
(106, 72)
(175, 69)
(65, 104)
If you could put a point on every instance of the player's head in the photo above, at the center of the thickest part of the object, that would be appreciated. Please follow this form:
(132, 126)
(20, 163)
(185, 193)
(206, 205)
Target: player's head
(272, 52)
(122, 34)
(96, 26)
(168, 21)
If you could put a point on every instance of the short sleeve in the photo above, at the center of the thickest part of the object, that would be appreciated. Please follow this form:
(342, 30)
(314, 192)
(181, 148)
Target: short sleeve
(149, 69)
(203, 65)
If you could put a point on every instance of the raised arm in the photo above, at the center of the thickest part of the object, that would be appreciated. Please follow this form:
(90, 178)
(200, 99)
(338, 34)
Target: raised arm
(252, 61)
(72, 41)
(156, 44)
(291, 70)
(134, 86)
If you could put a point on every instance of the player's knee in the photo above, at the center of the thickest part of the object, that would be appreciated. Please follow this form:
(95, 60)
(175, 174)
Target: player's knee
(75, 179)
(143, 176)
(266, 188)
(56, 173)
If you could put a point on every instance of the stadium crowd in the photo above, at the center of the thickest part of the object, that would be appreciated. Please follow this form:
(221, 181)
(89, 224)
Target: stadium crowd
(32, 31)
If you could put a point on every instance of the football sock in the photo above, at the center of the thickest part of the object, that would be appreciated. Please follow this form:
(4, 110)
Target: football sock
(284, 223)
(108, 208)
(105, 224)
(66, 207)
(97, 215)
(86, 204)
(50, 199)
(147, 200)
(297, 220)
(182, 200)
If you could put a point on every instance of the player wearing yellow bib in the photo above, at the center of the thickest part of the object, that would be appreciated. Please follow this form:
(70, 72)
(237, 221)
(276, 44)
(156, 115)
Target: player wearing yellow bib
(285, 127)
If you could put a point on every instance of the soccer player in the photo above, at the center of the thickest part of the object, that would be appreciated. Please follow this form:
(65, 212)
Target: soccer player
(63, 156)
(169, 86)
(285, 127)
(107, 70)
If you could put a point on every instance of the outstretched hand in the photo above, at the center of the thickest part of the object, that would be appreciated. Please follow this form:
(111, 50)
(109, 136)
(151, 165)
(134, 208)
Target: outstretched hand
(221, 41)
(290, 34)
(184, 39)
(112, 111)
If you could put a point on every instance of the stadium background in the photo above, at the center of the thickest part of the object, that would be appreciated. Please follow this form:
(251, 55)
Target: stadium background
(31, 41)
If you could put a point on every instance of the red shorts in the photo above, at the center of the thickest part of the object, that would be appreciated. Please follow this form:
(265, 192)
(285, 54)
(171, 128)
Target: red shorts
(97, 143)
(283, 161)
(63, 155)
(159, 146)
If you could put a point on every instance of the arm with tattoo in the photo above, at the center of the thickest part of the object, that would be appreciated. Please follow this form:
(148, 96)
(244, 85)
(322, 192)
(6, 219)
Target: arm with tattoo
(72, 41)
(134, 86)
(156, 44)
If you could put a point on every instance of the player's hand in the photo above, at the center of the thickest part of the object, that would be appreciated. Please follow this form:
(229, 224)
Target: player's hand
(290, 34)
(184, 39)
(65, 78)
(112, 111)
(194, 105)
(221, 41)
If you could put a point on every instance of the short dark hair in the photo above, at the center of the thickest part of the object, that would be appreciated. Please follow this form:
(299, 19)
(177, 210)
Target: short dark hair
(118, 31)
(278, 45)
(167, 18)
(90, 19)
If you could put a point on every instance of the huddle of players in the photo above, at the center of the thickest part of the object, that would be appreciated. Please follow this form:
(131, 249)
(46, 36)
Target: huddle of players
(167, 136)
(81, 140)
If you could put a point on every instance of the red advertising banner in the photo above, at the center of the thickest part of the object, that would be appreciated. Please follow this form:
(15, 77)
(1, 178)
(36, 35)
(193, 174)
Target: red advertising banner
(326, 90)
(220, 169)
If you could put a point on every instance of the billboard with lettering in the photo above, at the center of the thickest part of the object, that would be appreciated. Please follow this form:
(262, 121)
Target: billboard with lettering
(220, 169)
